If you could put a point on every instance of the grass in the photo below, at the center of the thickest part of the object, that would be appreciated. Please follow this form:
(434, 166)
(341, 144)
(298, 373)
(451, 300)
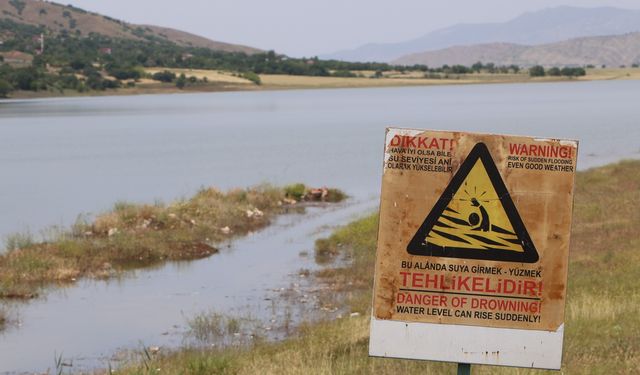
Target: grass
(602, 320)
(139, 235)
(213, 328)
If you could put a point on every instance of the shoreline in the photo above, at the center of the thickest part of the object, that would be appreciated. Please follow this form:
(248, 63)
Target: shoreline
(289, 82)
(133, 236)
(340, 345)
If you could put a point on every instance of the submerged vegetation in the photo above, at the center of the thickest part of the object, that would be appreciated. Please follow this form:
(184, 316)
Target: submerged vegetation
(213, 328)
(138, 235)
(602, 321)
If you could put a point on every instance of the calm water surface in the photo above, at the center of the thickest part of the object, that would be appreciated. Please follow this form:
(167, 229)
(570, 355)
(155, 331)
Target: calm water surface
(62, 157)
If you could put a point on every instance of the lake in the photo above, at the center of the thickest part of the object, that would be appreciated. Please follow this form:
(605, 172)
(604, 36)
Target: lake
(70, 156)
(62, 157)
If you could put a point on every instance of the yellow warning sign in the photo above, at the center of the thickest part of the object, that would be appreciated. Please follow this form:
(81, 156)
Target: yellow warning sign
(474, 230)
(475, 218)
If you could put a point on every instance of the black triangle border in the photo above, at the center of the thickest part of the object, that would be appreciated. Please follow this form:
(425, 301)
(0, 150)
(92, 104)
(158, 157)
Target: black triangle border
(417, 247)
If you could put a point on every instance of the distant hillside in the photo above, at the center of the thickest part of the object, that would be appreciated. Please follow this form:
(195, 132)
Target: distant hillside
(613, 51)
(66, 19)
(545, 26)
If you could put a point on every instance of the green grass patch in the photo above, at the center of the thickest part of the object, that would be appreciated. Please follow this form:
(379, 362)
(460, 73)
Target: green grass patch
(138, 235)
(602, 320)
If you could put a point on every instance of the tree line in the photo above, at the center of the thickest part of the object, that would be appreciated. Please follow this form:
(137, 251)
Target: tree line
(72, 61)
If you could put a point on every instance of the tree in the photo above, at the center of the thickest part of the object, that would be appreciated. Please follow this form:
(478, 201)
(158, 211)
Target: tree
(460, 69)
(536, 71)
(477, 67)
(5, 88)
(165, 76)
(181, 82)
(77, 64)
(573, 72)
(555, 72)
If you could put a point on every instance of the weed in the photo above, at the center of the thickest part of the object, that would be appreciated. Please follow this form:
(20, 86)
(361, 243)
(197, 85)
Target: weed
(216, 328)
(16, 241)
(295, 191)
(137, 235)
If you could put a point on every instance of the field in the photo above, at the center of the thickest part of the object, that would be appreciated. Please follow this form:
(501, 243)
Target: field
(602, 320)
(612, 73)
(388, 79)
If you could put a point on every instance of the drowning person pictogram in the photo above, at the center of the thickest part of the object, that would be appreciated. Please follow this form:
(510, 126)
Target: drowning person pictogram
(475, 218)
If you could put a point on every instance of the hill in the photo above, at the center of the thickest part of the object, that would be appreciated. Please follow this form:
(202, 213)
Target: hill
(531, 28)
(613, 51)
(59, 50)
(60, 19)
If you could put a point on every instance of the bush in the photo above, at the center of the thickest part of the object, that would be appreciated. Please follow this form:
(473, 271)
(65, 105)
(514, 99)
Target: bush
(5, 88)
(181, 82)
(295, 191)
(573, 72)
(125, 73)
(253, 77)
(555, 72)
(343, 73)
(536, 71)
(165, 76)
(335, 195)
(77, 64)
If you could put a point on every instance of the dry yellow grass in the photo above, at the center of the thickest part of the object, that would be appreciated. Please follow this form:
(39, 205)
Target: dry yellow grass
(611, 73)
(277, 81)
(602, 307)
(211, 75)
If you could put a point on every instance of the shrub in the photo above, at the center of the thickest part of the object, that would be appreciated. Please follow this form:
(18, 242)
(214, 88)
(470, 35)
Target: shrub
(253, 77)
(536, 71)
(5, 88)
(343, 73)
(555, 72)
(295, 191)
(165, 76)
(181, 82)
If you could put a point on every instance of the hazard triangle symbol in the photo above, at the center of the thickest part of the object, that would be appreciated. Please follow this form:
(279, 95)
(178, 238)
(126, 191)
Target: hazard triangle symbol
(475, 218)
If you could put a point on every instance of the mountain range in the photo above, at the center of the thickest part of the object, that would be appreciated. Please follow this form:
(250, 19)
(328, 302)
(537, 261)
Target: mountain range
(612, 51)
(511, 37)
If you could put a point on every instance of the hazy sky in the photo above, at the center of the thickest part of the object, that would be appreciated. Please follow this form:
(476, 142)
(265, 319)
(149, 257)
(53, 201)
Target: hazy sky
(305, 28)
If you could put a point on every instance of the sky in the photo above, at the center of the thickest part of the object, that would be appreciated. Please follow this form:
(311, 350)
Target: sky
(302, 28)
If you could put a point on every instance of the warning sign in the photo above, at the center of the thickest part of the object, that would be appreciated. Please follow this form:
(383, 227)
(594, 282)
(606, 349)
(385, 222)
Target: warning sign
(475, 218)
(474, 230)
